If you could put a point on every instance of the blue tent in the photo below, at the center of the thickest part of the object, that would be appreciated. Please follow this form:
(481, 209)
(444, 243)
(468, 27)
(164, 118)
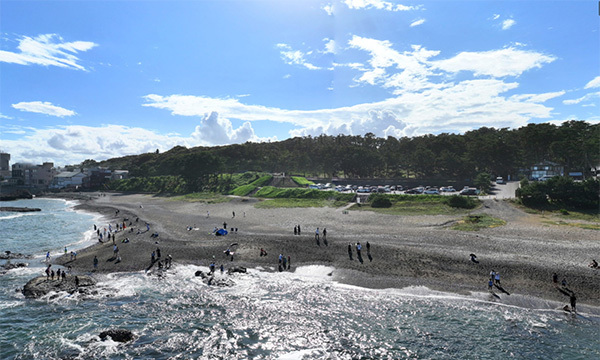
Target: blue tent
(221, 232)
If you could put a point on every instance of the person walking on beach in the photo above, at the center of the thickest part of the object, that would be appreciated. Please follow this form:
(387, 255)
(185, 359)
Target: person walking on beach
(65, 250)
(295, 230)
(497, 278)
(115, 250)
(47, 256)
(350, 251)
(298, 229)
(95, 262)
(555, 279)
(284, 263)
(158, 253)
(289, 262)
(153, 257)
(490, 285)
(233, 213)
(207, 214)
(492, 275)
(280, 258)
(317, 237)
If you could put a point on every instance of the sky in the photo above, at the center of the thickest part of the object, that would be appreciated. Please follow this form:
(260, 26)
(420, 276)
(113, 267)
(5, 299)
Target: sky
(101, 79)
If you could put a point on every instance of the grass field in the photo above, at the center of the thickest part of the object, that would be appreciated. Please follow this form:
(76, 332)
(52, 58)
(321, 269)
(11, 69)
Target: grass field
(477, 222)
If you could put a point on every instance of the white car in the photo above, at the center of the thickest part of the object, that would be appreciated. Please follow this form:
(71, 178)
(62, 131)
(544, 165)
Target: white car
(500, 180)
(431, 191)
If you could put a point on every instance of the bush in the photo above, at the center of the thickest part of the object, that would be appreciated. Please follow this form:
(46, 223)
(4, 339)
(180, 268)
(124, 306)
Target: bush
(463, 202)
(381, 202)
(301, 181)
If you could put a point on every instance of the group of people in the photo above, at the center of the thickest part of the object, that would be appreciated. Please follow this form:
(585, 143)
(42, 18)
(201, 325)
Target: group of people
(50, 274)
(284, 263)
(494, 279)
(359, 252)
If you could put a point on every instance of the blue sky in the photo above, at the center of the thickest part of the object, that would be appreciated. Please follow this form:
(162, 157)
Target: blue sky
(100, 79)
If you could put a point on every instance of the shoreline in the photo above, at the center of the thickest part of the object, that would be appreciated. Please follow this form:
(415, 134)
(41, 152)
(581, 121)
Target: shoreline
(407, 251)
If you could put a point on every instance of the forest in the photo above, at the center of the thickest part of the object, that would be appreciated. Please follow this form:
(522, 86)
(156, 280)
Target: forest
(499, 152)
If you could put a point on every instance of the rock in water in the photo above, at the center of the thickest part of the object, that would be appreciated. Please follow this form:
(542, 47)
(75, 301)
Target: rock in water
(119, 335)
(40, 286)
(237, 269)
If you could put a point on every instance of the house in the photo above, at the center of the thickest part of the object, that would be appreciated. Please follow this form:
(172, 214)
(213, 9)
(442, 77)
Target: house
(68, 179)
(545, 169)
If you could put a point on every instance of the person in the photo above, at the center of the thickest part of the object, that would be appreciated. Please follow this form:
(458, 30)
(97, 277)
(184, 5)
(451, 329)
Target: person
(64, 275)
(295, 230)
(564, 282)
(57, 274)
(76, 281)
(244, 214)
(207, 214)
(490, 285)
(95, 262)
(51, 274)
(497, 278)
(573, 301)
(222, 268)
(284, 263)
(280, 258)
(555, 279)
(118, 259)
(65, 250)
(233, 213)
(298, 229)
(350, 251)
(263, 252)
(474, 258)
(324, 234)
(492, 275)
(317, 235)
(47, 256)
(593, 264)
(224, 225)
(158, 253)
(212, 267)
(358, 249)
(74, 255)
(115, 250)
(153, 256)
(368, 246)
(48, 272)
(289, 262)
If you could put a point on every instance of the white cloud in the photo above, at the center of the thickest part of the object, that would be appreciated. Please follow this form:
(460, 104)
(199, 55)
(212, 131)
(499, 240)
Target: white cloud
(330, 47)
(496, 16)
(417, 22)
(43, 108)
(216, 130)
(594, 83)
(586, 97)
(47, 50)
(538, 97)
(295, 57)
(507, 24)
(2, 116)
(379, 4)
(328, 9)
(496, 63)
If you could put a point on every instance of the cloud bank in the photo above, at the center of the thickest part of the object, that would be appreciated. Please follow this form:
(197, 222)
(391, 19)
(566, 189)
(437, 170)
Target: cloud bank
(45, 108)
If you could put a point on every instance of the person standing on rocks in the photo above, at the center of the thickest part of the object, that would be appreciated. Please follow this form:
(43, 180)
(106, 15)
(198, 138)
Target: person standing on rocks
(48, 272)
(289, 262)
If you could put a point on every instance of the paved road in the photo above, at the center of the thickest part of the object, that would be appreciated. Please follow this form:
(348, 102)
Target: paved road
(503, 191)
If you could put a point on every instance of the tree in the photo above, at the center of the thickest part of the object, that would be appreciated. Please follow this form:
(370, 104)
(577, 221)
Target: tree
(483, 181)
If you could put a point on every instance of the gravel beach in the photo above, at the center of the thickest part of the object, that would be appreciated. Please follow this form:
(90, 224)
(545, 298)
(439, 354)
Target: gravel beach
(406, 250)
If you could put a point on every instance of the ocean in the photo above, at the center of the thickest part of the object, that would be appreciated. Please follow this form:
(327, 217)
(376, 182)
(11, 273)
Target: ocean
(263, 315)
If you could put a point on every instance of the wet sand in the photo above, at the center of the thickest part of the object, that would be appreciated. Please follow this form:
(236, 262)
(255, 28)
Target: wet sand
(406, 250)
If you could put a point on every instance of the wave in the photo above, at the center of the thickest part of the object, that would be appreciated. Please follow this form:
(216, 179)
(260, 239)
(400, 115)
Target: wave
(18, 215)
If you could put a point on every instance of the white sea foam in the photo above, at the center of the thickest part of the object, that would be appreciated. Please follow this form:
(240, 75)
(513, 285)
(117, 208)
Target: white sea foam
(19, 215)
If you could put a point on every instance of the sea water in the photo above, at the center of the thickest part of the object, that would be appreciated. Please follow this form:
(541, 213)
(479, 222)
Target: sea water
(303, 314)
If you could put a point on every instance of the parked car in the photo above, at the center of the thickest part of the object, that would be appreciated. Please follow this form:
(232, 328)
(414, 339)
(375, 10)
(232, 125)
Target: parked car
(414, 191)
(469, 191)
(500, 180)
(431, 191)
(362, 190)
(545, 177)
(447, 189)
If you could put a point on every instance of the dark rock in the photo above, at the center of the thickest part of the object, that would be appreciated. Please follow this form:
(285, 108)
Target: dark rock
(10, 266)
(119, 335)
(200, 273)
(11, 255)
(237, 269)
(18, 209)
(40, 286)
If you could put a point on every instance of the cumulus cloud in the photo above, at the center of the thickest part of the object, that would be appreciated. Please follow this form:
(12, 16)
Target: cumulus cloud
(43, 108)
(328, 9)
(330, 47)
(47, 50)
(295, 57)
(507, 24)
(379, 4)
(216, 130)
(417, 22)
(594, 83)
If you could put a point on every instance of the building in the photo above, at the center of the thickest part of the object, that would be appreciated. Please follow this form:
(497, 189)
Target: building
(5, 171)
(68, 179)
(546, 169)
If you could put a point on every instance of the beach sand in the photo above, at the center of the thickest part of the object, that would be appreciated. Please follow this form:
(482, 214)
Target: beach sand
(406, 250)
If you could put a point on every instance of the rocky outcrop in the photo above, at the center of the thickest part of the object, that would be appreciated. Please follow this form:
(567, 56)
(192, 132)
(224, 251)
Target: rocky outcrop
(10, 266)
(119, 335)
(210, 279)
(237, 269)
(18, 209)
(40, 286)
(11, 255)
